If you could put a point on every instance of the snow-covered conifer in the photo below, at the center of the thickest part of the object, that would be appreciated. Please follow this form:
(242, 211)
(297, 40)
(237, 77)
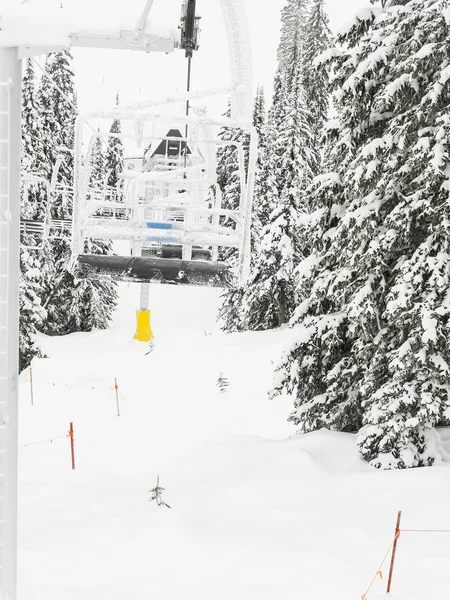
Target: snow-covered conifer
(372, 344)
(291, 46)
(32, 314)
(290, 160)
(94, 300)
(32, 151)
(98, 171)
(228, 175)
(231, 308)
(32, 207)
(315, 78)
(260, 213)
(57, 105)
(114, 163)
(289, 164)
(259, 116)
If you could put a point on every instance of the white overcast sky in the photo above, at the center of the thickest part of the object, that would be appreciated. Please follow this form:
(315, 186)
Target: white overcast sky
(140, 76)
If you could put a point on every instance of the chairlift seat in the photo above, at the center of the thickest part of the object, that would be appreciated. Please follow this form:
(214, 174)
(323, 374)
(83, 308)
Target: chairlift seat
(176, 251)
(151, 269)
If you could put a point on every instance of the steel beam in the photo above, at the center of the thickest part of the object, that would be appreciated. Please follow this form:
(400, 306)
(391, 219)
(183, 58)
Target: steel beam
(10, 148)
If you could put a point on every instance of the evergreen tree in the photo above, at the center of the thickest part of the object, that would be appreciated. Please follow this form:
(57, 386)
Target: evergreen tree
(228, 161)
(259, 208)
(290, 162)
(32, 205)
(231, 309)
(71, 304)
(98, 171)
(372, 345)
(259, 116)
(32, 314)
(228, 176)
(291, 48)
(94, 300)
(114, 164)
(34, 196)
(269, 299)
(57, 105)
(222, 383)
(315, 78)
(32, 150)
(51, 298)
(304, 36)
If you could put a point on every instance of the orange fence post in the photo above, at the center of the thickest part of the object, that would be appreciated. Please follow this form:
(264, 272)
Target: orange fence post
(116, 387)
(72, 446)
(394, 550)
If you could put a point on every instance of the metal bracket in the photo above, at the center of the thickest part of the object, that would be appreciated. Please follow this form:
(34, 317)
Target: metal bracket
(190, 28)
(138, 37)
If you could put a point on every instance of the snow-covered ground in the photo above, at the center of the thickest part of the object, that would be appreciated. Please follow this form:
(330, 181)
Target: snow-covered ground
(256, 514)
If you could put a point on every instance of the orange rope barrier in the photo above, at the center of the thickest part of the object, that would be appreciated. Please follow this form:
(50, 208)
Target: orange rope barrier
(59, 437)
(397, 535)
(426, 530)
(69, 435)
(379, 573)
(54, 384)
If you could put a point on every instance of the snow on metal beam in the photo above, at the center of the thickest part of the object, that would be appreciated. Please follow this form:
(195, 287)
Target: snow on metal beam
(34, 31)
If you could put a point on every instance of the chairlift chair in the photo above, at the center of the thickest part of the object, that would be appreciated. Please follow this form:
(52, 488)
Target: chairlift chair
(176, 185)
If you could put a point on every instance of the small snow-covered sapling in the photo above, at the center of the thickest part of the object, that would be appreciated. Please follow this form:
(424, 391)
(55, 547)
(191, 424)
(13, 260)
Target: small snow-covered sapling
(222, 383)
(157, 493)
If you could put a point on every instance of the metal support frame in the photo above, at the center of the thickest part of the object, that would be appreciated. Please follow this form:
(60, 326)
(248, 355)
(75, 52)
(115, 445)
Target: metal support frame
(10, 148)
(86, 225)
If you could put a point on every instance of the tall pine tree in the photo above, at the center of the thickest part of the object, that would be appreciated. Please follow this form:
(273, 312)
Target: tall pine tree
(57, 105)
(291, 159)
(315, 78)
(228, 177)
(71, 304)
(94, 299)
(32, 314)
(372, 346)
(114, 163)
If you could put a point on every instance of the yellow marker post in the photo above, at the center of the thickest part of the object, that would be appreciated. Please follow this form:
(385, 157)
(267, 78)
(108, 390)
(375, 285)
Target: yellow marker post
(143, 330)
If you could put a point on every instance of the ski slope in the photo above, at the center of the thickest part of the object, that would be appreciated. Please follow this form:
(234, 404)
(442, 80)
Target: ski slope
(255, 514)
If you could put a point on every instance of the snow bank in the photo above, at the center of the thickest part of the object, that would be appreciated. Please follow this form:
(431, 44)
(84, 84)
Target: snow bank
(255, 514)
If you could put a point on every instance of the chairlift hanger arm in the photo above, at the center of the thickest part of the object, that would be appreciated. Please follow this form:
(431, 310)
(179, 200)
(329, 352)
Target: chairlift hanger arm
(143, 20)
(189, 42)
(190, 28)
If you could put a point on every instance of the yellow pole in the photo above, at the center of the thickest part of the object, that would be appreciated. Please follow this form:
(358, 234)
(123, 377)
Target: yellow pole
(143, 328)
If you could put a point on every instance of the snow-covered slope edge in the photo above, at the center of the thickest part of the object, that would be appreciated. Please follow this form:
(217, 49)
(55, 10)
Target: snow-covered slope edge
(256, 512)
